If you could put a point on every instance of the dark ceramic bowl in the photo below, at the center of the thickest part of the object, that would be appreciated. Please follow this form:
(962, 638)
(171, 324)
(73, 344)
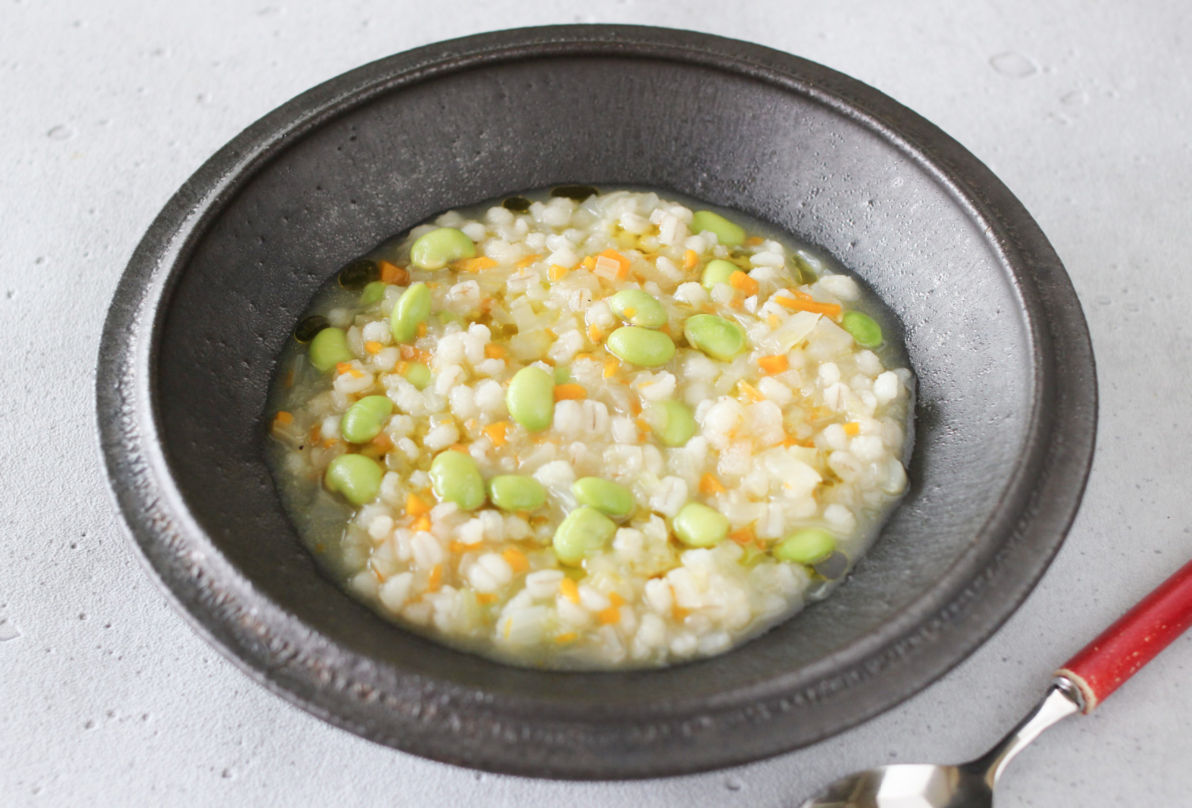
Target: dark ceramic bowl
(1005, 417)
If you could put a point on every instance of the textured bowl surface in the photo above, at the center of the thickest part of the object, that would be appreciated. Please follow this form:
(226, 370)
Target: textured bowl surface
(1005, 418)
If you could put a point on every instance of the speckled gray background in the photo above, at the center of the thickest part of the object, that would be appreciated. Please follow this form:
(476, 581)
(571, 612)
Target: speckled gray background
(107, 697)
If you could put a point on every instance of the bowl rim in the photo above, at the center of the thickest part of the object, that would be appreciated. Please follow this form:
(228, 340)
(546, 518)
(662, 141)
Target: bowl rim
(921, 642)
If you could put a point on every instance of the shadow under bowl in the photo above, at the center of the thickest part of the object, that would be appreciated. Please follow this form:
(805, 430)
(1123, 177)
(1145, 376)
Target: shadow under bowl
(1006, 401)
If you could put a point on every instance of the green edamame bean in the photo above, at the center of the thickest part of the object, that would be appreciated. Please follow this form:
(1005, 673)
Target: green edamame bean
(410, 311)
(640, 346)
(810, 545)
(584, 531)
(730, 234)
(328, 348)
(455, 477)
(530, 398)
(697, 525)
(365, 419)
(516, 492)
(717, 337)
(671, 421)
(717, 271)
(438, 248)
(865, 331)
(373, 293)
(638, 308)
(605, 496)
(355, 477)
(417, 374)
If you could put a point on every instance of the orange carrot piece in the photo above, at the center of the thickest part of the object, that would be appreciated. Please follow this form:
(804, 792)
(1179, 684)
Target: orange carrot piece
(516, 559)
(382, 442)
(709, 485)
(852, 429)
(610, 616)
(477, 264)
(620, 263)
(494, 351)
(498, 432)
(749, 391)
(690, 259)
(753, 241)
(610, 368)
(570, 391)
(615, 599)
(743, 283)
(566, 637)
(373, 347)
(594, 333)
(416, 505)
(804, 302)
(773, 364)
(283, 418)
(569, 590)
(421, 524)
(589, 262)
(742, 536)
(558, 272)
(391, 273)
(435, 580)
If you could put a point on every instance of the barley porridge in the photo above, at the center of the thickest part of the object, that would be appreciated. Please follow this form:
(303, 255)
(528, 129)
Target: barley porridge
(590, 430)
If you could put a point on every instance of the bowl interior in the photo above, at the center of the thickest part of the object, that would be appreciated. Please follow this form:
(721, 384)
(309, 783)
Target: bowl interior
(391, 156)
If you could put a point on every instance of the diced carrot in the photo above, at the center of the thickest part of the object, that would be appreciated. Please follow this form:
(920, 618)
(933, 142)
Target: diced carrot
(373, 347)
(753, 241)
(458, 447)
(346, 367)
(382, 442)
(743, 283)
(589, 262)
(328, 443)
(620, 264)
(435, 579)
(852, 429)
(749, 391)
(594, 333)
(742, 536)
(283, 418)
(516, 559)
(569, 590)
(615, 599)
(690, 259)
(804, 302)
(494, 351)
(566, 637)
(709, 485)
(557, 272)
(610, 368)
(773, 364)
(529, 259)
(316, 432)
(570, 391)
(635, 406)
(421, 524)
(610, 616)
(477, 264)
(391, 273)
(498, 432)
(416, 505)
(485, 598)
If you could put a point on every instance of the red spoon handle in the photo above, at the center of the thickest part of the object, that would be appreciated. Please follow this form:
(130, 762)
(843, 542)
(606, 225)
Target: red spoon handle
(1134, 640)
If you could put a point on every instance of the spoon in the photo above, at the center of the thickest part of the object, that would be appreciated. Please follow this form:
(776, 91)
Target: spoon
(1079, 686)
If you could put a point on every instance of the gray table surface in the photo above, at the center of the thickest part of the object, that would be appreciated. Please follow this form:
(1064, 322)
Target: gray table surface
(108, 698)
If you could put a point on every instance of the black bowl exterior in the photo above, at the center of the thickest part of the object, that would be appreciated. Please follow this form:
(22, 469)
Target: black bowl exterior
(1005, 419)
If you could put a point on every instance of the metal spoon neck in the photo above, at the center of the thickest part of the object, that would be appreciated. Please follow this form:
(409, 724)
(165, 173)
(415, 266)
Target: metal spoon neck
(1062, 700)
